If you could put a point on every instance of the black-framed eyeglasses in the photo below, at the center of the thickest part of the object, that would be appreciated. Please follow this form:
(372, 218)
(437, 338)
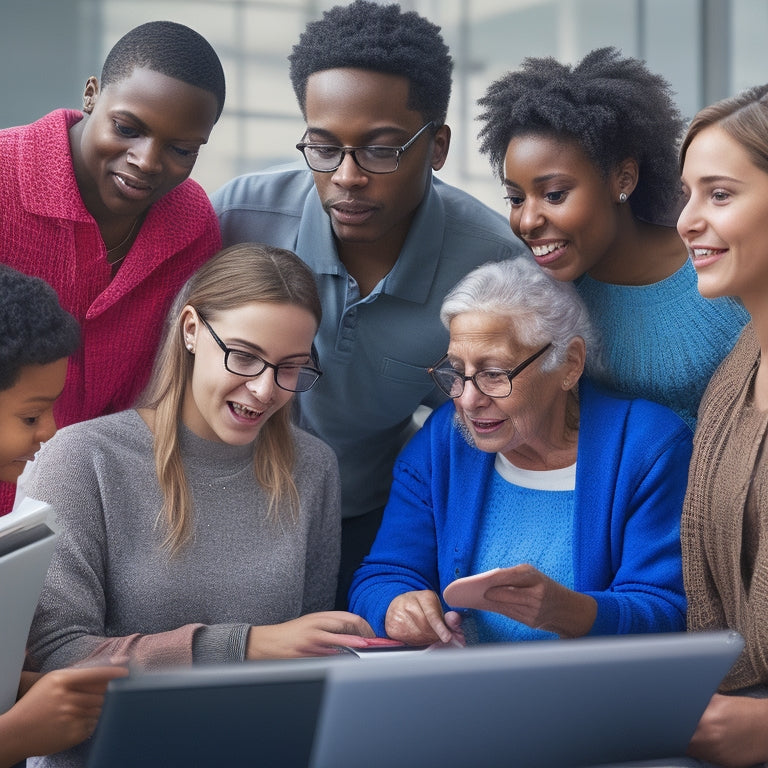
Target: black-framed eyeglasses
(494, 382)
(288, 376)
(374, 159)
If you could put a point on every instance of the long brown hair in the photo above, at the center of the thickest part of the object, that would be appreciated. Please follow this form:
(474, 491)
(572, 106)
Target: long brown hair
(238, 275)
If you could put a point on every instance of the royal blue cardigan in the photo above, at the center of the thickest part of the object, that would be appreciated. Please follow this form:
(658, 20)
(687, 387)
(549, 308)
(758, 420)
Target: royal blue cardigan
(631, 475)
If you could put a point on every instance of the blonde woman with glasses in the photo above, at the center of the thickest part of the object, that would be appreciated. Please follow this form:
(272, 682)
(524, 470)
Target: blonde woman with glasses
(202, 526)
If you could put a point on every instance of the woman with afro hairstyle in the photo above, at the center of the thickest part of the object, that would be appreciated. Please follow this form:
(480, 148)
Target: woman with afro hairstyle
(588, 159)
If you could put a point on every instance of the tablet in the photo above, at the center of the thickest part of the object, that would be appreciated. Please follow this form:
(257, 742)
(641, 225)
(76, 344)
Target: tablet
(27, 541)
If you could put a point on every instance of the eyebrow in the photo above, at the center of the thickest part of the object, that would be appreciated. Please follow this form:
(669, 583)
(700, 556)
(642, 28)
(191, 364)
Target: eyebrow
(371, 136)
(260, 352)
(715, 178)
(539, 179)
(40, 399)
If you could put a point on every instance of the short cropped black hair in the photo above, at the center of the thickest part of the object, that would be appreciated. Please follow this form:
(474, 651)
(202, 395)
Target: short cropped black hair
(613, 107)
(378, 38)
(173, 50)
(34, 329)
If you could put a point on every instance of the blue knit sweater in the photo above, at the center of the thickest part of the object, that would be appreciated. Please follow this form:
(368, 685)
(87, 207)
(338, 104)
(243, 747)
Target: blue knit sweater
(630, 481)
(663, 341)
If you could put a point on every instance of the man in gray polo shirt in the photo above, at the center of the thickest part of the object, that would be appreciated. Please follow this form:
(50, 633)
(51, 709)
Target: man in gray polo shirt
(385, 239)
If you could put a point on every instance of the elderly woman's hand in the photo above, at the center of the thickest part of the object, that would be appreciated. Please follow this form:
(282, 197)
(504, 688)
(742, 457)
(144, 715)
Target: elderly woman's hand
(416, 618)
(525, 594)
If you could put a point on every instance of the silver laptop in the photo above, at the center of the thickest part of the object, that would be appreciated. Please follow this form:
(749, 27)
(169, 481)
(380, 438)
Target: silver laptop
(27, 541)
(548, 704)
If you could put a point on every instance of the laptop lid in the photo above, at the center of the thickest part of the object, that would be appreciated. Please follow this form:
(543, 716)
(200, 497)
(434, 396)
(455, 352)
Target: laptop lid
(27, 541)
(548, 704)
(253, 713)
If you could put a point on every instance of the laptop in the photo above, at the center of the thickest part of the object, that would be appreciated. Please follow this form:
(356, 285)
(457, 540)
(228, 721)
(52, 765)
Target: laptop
(27, 541)
(548, 704)
(252, 713)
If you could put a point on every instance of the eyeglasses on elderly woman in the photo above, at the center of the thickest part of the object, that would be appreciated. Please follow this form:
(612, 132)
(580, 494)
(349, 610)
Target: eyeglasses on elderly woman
(494, 382)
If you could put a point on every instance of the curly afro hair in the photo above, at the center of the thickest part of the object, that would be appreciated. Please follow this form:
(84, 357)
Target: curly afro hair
(613, 107)
(171, 49)
(379, 38)
(34, 329)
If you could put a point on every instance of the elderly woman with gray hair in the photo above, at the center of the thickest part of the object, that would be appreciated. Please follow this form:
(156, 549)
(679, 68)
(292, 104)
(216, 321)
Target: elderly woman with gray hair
(534, 505)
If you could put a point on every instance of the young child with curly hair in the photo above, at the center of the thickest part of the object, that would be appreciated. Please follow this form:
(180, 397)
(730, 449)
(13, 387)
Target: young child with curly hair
(60, 709)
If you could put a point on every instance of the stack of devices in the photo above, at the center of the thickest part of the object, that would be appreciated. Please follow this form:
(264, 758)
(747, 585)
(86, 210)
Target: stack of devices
(549, 704)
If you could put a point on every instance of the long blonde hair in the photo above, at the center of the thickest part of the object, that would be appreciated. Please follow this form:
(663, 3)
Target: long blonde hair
(238, 275)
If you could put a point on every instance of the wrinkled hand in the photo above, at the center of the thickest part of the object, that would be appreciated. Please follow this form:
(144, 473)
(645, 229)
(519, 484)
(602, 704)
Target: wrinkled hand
(57, 712)
(416, 618)
(525, 594)
(733, 731)
(316, 634)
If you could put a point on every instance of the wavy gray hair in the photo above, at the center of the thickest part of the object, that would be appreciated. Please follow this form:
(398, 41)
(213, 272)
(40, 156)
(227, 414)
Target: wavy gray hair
(539, 308)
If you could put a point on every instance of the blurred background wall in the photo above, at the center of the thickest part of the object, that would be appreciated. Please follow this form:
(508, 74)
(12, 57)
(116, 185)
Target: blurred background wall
(707, 49)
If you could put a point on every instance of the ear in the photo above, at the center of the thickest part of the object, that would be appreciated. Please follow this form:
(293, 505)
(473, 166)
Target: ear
(90, 94)
(190, 325)
(441, 141)
(575, 359)
(624, 179)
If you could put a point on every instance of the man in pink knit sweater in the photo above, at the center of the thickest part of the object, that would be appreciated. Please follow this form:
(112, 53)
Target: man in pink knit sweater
(99, 204)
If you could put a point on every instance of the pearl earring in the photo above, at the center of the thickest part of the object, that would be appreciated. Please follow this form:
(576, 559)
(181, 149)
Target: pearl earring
(189, 347)
(623, 197)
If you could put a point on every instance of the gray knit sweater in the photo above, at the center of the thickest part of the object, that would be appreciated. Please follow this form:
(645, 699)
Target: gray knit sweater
(110, 578)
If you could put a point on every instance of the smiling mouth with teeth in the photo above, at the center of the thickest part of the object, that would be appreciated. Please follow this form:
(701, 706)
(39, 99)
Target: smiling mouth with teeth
(544, 250)
(244, 411)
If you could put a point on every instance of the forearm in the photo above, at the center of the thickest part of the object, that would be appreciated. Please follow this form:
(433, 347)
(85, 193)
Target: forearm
(15, 744)
(733, 731)
(570, 614)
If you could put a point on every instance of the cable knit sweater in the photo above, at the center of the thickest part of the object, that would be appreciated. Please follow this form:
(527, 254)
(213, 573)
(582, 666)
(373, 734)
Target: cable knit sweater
(728, 477)
(46, 230)
(663, 341)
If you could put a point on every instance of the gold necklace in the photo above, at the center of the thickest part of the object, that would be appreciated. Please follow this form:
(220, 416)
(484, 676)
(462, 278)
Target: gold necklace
(123, 242)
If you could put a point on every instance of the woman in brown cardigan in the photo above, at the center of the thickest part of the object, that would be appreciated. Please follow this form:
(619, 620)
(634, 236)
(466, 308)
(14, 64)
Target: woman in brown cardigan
(724, 163)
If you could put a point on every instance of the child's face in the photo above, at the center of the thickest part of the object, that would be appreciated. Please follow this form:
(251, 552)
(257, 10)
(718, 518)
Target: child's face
(26, 415)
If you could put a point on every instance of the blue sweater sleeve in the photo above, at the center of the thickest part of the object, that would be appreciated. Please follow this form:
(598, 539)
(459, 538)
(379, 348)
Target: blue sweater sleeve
(630, 487)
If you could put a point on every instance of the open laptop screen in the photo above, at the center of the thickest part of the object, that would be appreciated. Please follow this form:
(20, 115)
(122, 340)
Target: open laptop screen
(547, 704)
